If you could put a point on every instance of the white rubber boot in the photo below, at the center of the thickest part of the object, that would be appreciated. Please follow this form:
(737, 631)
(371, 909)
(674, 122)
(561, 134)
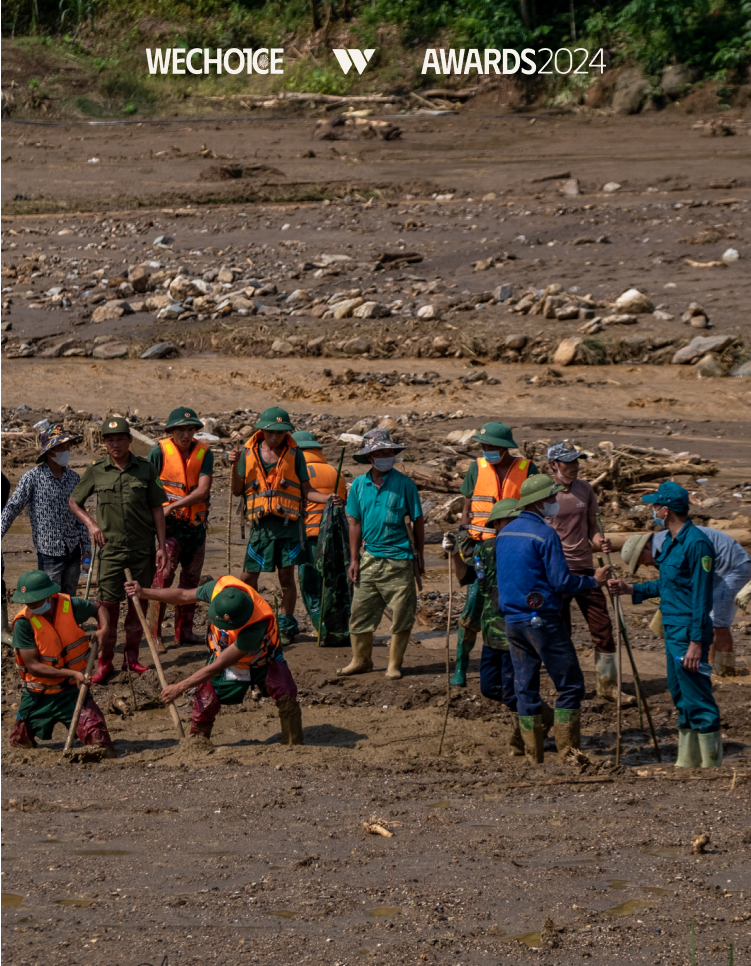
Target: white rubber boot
(606, 673)
(362, 655)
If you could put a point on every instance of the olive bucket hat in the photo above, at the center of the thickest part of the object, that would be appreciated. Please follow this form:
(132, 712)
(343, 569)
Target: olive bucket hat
(306, 440)
(503, 509)
(632, 548)
(231, 609)
(275, 420)
(496, 434)
(33, 586)
(536, 488)
(183, 416)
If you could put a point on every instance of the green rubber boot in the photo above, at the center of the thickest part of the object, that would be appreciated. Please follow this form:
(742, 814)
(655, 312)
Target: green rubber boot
(567, 730)
(710, 747)
(530, 727)
(288, 629)
(689, 755)
(465, 641)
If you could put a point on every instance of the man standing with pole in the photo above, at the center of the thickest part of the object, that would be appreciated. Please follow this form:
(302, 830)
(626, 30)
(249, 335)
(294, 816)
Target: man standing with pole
(326, 479)
(378, 504)
(129, 516)
(185, 469)
(686, 563)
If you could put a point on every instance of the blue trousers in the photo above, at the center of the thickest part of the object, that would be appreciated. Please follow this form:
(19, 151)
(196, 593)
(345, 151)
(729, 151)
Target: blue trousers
(691, 692)
(549, 644)
(497, 676)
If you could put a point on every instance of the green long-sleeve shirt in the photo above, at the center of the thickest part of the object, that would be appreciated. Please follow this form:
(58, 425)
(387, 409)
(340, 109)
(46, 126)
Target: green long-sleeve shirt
(492, 623)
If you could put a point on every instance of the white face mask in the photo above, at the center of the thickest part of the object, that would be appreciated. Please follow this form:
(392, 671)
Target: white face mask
(492, 455)
(550, 509)
(41, 608)
(61, 458)
(384, 463)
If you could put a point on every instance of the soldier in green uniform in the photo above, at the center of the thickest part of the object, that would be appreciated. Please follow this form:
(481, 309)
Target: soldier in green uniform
(129, 516)
(475, 567)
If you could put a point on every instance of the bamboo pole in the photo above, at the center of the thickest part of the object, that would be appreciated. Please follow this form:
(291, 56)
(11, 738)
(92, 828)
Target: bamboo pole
(448, 656)
(323, 580)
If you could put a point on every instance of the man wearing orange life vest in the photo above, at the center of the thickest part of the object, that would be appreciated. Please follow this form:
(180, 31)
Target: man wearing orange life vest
(323, 477)
(52, 651)
(245, 651)
(185, 468)
(271, 472)
(495, 475)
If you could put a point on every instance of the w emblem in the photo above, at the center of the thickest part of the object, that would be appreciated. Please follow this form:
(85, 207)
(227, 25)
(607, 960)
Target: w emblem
(359, 58)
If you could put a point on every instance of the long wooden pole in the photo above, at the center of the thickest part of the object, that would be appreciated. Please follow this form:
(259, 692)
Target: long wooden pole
(229, 524)
(323, 579)
(448, 656)
(155, 656)
(619, 692)
(83, 690)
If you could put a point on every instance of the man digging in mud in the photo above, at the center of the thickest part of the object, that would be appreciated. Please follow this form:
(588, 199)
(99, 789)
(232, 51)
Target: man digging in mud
(185, 470)
(576, 525)
(496, 668)
(245, 652)
(532, 576)
(271, 472)
(495, 475)
(52, 651)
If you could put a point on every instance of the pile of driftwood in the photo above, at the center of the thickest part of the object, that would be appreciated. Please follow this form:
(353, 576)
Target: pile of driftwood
(641, 469)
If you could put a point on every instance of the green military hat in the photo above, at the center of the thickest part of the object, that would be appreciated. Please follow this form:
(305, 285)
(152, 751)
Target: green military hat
(536, 488)
(231, 609)
(115, 424)
(183, 416)
(497, 434)
(632, 548)
(275, 419)
(306, 440)
(33, 586)
(503, 509)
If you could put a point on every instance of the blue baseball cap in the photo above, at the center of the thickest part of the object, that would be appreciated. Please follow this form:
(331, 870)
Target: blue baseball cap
(671, 495)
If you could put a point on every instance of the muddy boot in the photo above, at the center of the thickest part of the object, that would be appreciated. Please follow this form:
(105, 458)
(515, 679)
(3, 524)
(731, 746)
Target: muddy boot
(362, 655)
(105, 667)
(21, 737)
(206, 707)
(531, 732)
(689, 755)
(397, 647)
(516, 742)
(606, 673)
(290, 719)
(548, 719)
(7, 637)
(133, 639)
(92, 729)
(567, 730)
(288, 628)
(724, 664)
(465, 641)
(710, 748)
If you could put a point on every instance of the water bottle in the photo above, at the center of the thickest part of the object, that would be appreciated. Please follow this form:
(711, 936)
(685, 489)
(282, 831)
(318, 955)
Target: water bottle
(480, 569)
(704, 668)
(536, 621)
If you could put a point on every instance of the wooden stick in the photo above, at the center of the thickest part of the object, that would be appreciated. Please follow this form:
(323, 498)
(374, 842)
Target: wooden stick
(323, 580)
(83, 690)
(91, 571)
(229, 525)
(448, 656)
(415, 561)
(619, 693)
(155, 656)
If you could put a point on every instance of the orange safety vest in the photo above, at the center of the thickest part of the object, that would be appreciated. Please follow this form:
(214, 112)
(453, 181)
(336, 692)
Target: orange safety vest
(61, 643)
(322, 478)
(489, 490)
(219, 640)
(280, 492)
(179, 477)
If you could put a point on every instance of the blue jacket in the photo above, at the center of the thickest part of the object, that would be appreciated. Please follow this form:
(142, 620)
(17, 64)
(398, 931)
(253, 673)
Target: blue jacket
(685, 589)
(530, 559)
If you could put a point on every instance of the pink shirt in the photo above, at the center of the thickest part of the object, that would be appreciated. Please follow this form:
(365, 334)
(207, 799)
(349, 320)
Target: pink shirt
(577, 503)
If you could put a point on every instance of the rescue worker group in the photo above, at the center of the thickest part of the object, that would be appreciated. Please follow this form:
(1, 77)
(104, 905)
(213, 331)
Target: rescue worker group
(524, 551)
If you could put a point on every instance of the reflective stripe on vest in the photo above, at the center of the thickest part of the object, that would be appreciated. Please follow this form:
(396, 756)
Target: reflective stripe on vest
(179, 477)
(219, 640)
(489, 490)
(61, 643)
(322, 478)
(279, 493)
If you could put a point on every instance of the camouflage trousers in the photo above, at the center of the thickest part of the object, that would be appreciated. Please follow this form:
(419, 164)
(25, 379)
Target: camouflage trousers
(384, 583)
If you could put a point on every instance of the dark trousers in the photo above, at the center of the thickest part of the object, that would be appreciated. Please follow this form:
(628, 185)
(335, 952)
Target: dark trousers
(65, 571)
(549, 644)
(594, 608)
(497, 676)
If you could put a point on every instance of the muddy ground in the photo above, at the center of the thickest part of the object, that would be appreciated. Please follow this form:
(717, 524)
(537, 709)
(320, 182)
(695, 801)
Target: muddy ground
(256, 853)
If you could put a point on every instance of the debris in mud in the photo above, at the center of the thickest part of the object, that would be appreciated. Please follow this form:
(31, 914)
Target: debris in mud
(343, 128)
(230, 172)
(699, 843)
(377, 827)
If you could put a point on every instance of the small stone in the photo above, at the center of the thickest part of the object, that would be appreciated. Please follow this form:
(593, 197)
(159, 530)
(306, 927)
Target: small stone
(730, 256)
(163, 240)
(226, 276)
(709, 366)
(441, 344)
(156, 302)
(181, 288)
(570, 187)
(316, 345)
(111, 350)
(357, 346)
(662, 316)
(566, 351)
(570, 311)
(634, 301)
(699, 322)
(610, 187)
(620, 319)
(139, 277)
(427, 312)
(107, 313)
(282, 347)
(517, 341)
(299, 295)
(490, 196)
(700, 346)
(169, 312)
(743, 370)
(158, 351)
(502, 292)
(125, 289)
(55, 351)
(345, 308)
(371, 310)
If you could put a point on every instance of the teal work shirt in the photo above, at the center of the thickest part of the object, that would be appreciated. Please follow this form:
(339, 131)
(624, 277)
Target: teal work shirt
(685, 586)
(381, 511)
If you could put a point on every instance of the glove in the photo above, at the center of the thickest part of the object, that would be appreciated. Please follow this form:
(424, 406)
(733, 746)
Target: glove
(743, 598)
(449, 543)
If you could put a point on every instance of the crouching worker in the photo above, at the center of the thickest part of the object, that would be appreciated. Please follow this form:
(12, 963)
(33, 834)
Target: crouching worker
(245, 651)
(496, 668)
(52, 651)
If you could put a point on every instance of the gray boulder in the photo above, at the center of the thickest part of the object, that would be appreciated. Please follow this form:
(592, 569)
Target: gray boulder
(675, 79)
(158, 351)
(630, 92)
(700, 346)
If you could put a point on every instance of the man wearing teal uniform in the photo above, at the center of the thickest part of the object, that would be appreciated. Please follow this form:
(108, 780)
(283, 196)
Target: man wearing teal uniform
(685, 589)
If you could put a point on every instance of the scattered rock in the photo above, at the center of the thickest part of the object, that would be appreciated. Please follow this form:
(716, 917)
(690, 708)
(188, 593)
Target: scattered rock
(282, 347)
(630, 92)
(517, 341)
(226, 276)
(428, 312)
(743, 370)
(345, 308)
(169, 312)
(619, 319)
(107, 313)
(55, 351)
(111, 350)
(164, 241)
(441, 344)
(730, 256)
(570, 187)
(566, 351)
(356, 346)
(182, 288)
(570, 311)
(700, 346)
(159, 351)
(709, 366)
(610, 187)
(662, 316)
(140, 278)
(634, 301)
(502, 293)
(371, 310)
(699, 322)
(699, 843)
(675, 79)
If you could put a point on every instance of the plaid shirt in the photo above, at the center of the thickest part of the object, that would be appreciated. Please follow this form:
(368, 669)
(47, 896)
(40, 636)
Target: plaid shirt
(54, 529)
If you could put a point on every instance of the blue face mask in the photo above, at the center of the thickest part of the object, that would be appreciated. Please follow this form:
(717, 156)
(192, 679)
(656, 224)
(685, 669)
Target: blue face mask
(492, 456)
(658, 521)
